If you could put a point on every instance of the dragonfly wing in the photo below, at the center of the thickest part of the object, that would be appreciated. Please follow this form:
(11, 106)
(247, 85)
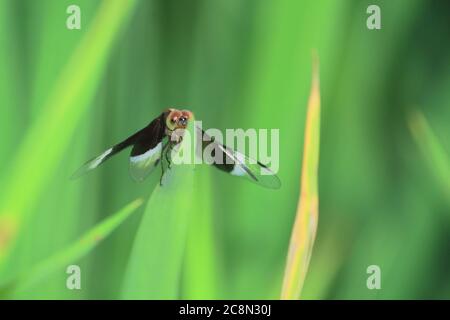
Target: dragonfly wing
(98, 160)
(146, 153)
(237, 164)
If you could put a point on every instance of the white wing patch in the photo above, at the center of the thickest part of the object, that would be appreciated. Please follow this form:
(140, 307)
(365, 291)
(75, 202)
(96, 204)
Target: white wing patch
(238, 170)
(147, 155)
(251, 169)
(97, 161)
(142, 165)
(93, 163)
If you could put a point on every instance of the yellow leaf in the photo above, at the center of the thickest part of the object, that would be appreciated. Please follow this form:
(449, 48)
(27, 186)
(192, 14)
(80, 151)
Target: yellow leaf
(305, 225)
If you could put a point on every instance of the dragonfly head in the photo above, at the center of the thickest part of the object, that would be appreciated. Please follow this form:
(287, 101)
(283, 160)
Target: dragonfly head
(178, 119)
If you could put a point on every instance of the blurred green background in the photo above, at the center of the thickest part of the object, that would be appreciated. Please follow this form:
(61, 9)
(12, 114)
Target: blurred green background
(66, 95)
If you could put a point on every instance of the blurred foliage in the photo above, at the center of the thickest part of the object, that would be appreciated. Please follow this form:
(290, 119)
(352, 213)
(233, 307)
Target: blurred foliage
(66, 95)
(22, 283)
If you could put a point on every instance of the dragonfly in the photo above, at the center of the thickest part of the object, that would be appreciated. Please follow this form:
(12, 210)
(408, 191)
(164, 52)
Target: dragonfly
(151, 145)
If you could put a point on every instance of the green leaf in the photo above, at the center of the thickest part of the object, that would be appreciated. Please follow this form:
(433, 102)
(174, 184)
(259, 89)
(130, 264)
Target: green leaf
(155, 263)
(73, 252)
(201, 268)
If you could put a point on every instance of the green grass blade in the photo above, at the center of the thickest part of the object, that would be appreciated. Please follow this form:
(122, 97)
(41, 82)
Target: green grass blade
(305, 225)
(432, 149)
(57, 121)
(200, 276)
(73, 252)
(155, 264)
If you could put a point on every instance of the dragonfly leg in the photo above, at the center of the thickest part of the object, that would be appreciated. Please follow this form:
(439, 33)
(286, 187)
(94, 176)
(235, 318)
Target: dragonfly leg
(162, 163)
(162, 173)
(168, 157)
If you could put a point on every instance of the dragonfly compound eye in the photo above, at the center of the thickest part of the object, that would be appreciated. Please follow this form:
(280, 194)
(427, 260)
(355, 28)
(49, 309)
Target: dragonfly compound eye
(182, 121)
